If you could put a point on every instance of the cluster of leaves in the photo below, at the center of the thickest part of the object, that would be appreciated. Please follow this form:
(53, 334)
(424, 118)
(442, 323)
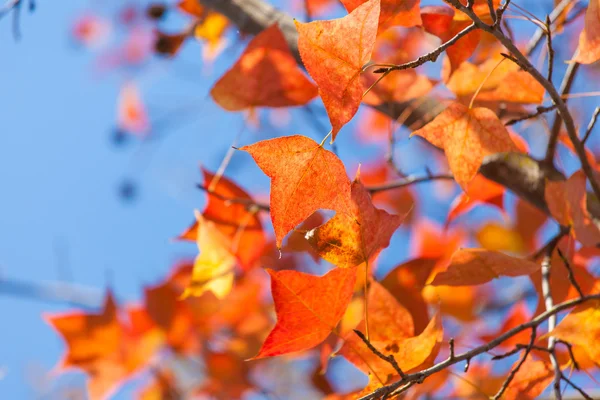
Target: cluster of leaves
(403, 331)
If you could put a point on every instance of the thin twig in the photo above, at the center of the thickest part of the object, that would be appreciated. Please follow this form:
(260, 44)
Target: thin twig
(539, 34)
(431, 56)
(569, 347)
(409, 180)
(390, 359)
(539, 111)
(550, 49)
(565, 88)
(468, 355)
(570, 275)
(590, 126)
(562, 108)
(247, 202)
(574, 386)
(517, 367)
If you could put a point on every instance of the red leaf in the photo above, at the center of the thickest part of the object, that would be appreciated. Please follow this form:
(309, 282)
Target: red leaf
(308, 308)
(265, 75)
(334, 53)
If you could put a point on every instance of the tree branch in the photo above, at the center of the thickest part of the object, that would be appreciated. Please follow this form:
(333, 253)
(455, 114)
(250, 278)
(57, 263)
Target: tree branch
(468, 355)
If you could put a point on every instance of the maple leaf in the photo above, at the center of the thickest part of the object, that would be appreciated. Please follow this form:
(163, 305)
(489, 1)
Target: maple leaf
(479, 190)
(530, 381)
(478, 266)
(467, 136)
(334, 53)
(308, 308)
(235, 220)
(105, 347)
(392, 12)
(581, 327)
(265, 75)
(348, 240)
(499, 81)
(304, 178)
(589, 39)
(388, 319)
(410, 353)
(445, 23)
(399, 86)
(518, 315)
(213, 268)
(405, 283)
(567, 202)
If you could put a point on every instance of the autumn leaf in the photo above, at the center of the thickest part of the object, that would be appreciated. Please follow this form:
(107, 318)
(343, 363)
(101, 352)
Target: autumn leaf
(108, 349)
(581, 327)
(388, 320)
(589, 39)
(405, 283)
(499, 81)
(102, 333)
(348, 240)
(533, 377)
(445, 23)
(393, 12)
(235, 220)
(334, 53)
(480, 190)
(467, 136)
(214, 266)
(567, 202)
(410, 353)
(478, 266)
(304, 178)
(308, 308)
(265, 75)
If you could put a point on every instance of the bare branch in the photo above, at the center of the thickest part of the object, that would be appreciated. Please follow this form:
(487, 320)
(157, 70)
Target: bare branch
(468, 355)
(539, 111)
(390, 358)
(409, 180)
(590, 126)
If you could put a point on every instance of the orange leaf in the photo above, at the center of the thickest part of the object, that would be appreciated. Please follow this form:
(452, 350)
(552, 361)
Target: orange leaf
(531, 380)
(467, 136)
(502, 81)
(478, 266)
(234, 220)
(393, 12)
(304, 178)
(567, 202)
(444, 23)
(334, 53)
(405, 283)
(308, 308)
(89, 336)
(410, 353)
(581, 327)
(589, 39)
(265, 75)
(348, 240)
(387, 318)
(479, 190)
